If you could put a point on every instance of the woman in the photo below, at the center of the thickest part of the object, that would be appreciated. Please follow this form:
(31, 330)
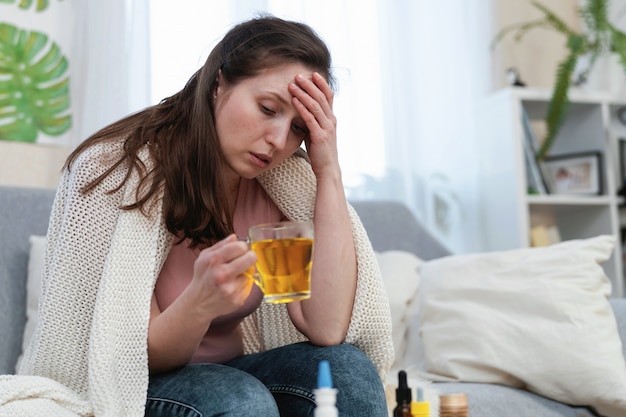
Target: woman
(144, 282)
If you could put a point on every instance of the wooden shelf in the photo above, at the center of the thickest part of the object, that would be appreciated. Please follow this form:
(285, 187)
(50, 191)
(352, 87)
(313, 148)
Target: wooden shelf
(567, 200)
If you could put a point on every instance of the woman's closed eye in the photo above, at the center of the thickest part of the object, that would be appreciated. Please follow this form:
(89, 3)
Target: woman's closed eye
(300, 130)
(267, 110)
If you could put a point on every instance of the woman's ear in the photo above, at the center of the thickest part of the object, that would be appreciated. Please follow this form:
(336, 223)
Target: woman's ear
(216, 85)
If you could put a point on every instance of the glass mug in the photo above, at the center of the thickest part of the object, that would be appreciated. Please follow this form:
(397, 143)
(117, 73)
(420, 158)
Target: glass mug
(284, 253)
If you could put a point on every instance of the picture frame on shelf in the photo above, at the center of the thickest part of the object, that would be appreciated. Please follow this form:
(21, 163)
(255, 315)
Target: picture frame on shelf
(574, 174)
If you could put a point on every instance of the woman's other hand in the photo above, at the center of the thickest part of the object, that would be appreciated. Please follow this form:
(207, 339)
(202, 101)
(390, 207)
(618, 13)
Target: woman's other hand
(219, 276)
(219, 286)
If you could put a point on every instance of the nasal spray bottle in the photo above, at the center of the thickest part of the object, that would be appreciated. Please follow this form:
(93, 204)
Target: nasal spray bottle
(325, 394)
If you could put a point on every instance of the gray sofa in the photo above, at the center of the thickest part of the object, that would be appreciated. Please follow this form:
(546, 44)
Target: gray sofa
(25, 211)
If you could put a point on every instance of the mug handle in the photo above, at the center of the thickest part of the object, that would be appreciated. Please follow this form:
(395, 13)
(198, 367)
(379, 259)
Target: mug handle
(252, 272)
(254, 276)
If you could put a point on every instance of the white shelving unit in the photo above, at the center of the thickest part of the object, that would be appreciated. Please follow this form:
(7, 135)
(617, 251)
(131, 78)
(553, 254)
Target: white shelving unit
(617, 134)
(507, 210)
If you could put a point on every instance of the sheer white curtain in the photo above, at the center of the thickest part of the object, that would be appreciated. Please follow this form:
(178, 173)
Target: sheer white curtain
(409, 75)
(111, 65)
(436, 68)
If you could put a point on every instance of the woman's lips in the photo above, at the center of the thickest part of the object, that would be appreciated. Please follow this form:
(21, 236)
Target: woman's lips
(261, 160)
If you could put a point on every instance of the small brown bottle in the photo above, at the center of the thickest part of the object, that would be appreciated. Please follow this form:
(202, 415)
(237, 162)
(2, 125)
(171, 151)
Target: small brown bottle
(403, 397)
(453, 405)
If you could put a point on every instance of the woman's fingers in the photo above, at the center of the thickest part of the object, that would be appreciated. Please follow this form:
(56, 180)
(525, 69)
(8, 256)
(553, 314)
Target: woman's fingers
(313, 99)
(219, 275)
(229, 253)
(324, 87)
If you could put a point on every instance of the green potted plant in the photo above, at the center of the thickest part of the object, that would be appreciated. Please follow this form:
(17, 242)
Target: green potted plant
(598, 38)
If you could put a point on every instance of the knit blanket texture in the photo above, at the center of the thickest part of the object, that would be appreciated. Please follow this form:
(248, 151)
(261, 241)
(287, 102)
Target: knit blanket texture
(88, 355)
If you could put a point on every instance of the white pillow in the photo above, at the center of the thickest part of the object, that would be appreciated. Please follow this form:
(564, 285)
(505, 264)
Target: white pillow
(399, 272)
(537, 318)
(33, 289)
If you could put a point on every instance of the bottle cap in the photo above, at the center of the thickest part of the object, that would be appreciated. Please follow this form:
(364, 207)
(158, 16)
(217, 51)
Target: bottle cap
(403, 392)
(420, 409)
(324, 378)
(453, 401)
(454, 398)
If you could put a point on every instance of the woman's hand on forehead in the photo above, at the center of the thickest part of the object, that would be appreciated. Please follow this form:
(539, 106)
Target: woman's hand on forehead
(313, 99)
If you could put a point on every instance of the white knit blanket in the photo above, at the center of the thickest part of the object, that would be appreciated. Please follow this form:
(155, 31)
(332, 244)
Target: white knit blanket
(88, 355)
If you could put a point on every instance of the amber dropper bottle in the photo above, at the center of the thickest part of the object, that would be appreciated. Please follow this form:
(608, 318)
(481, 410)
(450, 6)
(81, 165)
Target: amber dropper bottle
(403, 397)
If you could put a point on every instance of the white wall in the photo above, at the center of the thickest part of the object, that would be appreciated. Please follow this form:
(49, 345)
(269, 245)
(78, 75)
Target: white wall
(31, 164)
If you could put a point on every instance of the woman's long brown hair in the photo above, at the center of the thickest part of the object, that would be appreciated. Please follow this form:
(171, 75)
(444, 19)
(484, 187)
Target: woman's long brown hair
(181, 134)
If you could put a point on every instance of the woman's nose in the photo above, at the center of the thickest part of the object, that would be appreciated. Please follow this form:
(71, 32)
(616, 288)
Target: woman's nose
(278, 135)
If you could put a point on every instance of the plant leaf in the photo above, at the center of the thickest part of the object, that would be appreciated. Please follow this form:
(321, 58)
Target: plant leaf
(595, 15)
(554, 21)
(34, 86)
(559, 103)
(520, 28)
(25, 4)
(618, 45)
(548, 21)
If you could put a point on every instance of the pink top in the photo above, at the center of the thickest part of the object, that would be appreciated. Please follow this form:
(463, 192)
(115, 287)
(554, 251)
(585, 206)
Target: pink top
(223, 341)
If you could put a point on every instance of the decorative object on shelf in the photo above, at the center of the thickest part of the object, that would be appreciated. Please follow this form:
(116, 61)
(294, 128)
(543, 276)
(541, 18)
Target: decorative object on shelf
(577, 174)
(513, 77)
(544, 228)
(35, 87)
(599, 38)
(544, 235)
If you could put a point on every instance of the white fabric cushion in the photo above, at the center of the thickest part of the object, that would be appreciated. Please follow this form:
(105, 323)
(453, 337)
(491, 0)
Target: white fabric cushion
(537, 318)
(33, 288)
(399, 272)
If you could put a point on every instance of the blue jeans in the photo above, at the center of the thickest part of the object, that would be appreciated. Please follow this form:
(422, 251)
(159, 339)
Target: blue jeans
(278, 382)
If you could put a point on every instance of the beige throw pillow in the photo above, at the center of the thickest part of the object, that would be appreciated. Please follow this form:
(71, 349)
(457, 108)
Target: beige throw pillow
(399, 272)
(534, 318)
(33, 289)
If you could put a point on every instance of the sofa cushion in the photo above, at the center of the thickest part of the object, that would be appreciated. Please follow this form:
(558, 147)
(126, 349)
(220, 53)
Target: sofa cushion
(534, 318)
(33, 289)
(25, 212)
(399, 272)
(619, 309)
(502, 401)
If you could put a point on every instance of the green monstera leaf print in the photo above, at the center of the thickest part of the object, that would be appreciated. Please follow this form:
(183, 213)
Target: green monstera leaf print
(34, 87)
(25, 4)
